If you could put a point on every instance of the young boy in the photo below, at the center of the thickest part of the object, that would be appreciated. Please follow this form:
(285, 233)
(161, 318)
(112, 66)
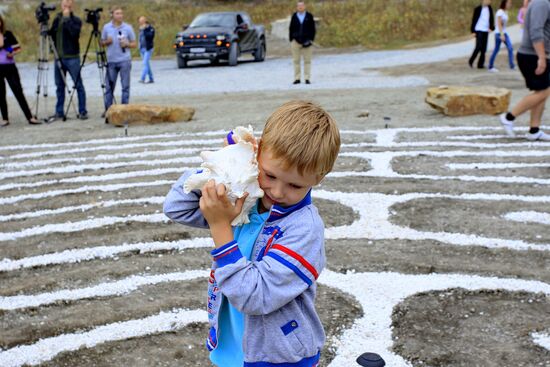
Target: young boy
(261, 296)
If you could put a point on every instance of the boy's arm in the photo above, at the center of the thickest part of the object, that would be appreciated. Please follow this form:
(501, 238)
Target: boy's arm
(184, 208)
(290, 265)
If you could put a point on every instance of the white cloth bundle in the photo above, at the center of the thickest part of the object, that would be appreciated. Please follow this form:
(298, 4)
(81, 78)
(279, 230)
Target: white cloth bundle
(236, 167)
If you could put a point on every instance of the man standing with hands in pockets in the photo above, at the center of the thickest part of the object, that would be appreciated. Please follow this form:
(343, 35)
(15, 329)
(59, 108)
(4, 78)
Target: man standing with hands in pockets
(301, 36)
(119, 38)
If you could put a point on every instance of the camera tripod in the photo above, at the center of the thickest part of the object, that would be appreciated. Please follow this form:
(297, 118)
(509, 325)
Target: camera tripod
(101, 61)
(46, 45)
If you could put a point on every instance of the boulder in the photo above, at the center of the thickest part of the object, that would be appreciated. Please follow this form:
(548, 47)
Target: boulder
(464, 101)
(138, 114)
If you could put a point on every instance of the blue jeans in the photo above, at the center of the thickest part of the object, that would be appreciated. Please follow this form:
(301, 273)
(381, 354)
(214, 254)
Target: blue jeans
(508, 42)
(72, 65)
(113, 69)
(146, 56)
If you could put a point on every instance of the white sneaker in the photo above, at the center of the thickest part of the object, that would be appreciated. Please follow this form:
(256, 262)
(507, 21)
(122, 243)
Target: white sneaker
(508, 125)
(540, 135)
(493, 70)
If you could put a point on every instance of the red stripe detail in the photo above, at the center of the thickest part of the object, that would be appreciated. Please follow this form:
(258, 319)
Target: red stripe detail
(296, 256)
(268, 246)
(226, 253)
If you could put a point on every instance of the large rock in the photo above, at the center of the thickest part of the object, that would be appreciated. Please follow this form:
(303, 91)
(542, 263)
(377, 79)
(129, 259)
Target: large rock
(138, 114)
(464, 101)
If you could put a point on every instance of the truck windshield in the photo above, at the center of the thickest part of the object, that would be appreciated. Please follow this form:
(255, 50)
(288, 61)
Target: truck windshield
(213, 20)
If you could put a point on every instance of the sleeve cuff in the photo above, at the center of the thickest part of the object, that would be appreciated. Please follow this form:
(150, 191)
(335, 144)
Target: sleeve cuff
(227, 254)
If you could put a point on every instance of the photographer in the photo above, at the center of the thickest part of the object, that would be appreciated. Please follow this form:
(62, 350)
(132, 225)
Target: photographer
(119, 38)
(301, 36)
(65, 32)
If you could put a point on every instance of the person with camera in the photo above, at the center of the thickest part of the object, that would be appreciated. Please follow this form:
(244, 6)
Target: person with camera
(119, 38)
(146, 47)
(65, 32)
(9, 47)
(301, 36)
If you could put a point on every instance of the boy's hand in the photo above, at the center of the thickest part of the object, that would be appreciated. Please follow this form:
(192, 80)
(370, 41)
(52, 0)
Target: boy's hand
(215, 204)
(219, 212)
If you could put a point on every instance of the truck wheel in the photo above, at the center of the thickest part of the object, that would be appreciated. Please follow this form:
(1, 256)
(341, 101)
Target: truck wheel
(233, 54)
(259, 54)
(182, 63)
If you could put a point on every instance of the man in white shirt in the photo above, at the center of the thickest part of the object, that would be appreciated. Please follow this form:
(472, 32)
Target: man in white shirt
(482, 23)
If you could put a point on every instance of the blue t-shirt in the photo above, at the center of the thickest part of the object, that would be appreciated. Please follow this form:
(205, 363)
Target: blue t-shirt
(115, 53)
(229, 352)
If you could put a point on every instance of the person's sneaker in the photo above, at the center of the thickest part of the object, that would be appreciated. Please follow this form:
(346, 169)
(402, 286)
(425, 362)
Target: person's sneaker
(83, 116)
(53, 118)
(150, 82)
(493, 70)
(296, 82)
(307, 81)
(540, 135)
(508, 125)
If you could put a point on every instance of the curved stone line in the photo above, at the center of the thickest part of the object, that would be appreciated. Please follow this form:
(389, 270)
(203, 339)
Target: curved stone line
(46, 349)
(68, 227)
(96, 167)
(114, 148)
(82, 189)
(379, 293)
(120, 139)
(96, 178)
(528, 217)
(447, 144)
(117, 288)
(479, 166)
(374, 223)
(102, 157)
(80, 208)
(100, 252)
(382, 167)
(542, 339)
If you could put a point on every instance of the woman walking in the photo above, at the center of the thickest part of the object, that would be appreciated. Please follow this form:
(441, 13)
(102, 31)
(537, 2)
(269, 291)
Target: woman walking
(502, 36)
(146, 46)
(482, 23)
(9, 47)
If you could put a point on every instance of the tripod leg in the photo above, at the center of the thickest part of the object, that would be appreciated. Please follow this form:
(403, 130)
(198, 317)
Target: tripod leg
(59, 64)
(79, 77)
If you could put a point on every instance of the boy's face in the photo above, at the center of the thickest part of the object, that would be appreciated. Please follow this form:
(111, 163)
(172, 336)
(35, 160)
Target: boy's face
(284, 187)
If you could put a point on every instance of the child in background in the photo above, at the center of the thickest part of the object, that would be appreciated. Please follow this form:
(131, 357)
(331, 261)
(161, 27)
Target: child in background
(482, 23)
(502, 36)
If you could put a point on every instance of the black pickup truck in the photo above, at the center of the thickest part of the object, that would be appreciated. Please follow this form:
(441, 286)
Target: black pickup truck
(220, 36)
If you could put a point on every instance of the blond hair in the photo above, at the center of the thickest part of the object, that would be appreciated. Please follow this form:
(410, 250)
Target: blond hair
(303, 135)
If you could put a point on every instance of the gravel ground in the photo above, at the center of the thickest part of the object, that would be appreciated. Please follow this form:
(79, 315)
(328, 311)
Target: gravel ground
(417, 235)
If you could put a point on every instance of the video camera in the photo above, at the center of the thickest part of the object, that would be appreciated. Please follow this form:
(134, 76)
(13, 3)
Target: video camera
(42, 12)
(93, 15)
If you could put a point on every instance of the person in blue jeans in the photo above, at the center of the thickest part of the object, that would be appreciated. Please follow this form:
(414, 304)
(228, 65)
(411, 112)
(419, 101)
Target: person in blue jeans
(65, 32)
(119, 38)
(502, 36)
(146, 48)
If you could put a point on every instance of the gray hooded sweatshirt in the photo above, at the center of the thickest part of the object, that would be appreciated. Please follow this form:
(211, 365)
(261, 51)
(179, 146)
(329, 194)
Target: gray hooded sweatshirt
(276, 291)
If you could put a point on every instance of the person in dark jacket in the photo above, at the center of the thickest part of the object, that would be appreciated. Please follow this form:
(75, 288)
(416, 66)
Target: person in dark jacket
(65, 32)
(146, 47)
(483, 22)
(301, 36)
(9, 47)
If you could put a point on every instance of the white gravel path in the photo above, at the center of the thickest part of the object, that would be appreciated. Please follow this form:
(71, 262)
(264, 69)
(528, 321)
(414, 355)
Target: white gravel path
(344, 71)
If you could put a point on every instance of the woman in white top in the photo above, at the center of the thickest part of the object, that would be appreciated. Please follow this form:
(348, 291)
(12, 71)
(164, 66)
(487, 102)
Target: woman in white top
(502, 36)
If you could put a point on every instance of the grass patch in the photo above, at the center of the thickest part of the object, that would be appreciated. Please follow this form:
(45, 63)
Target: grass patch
(373, 24)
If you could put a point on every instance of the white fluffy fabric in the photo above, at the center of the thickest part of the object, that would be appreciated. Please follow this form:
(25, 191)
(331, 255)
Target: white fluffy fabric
(236, 167)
